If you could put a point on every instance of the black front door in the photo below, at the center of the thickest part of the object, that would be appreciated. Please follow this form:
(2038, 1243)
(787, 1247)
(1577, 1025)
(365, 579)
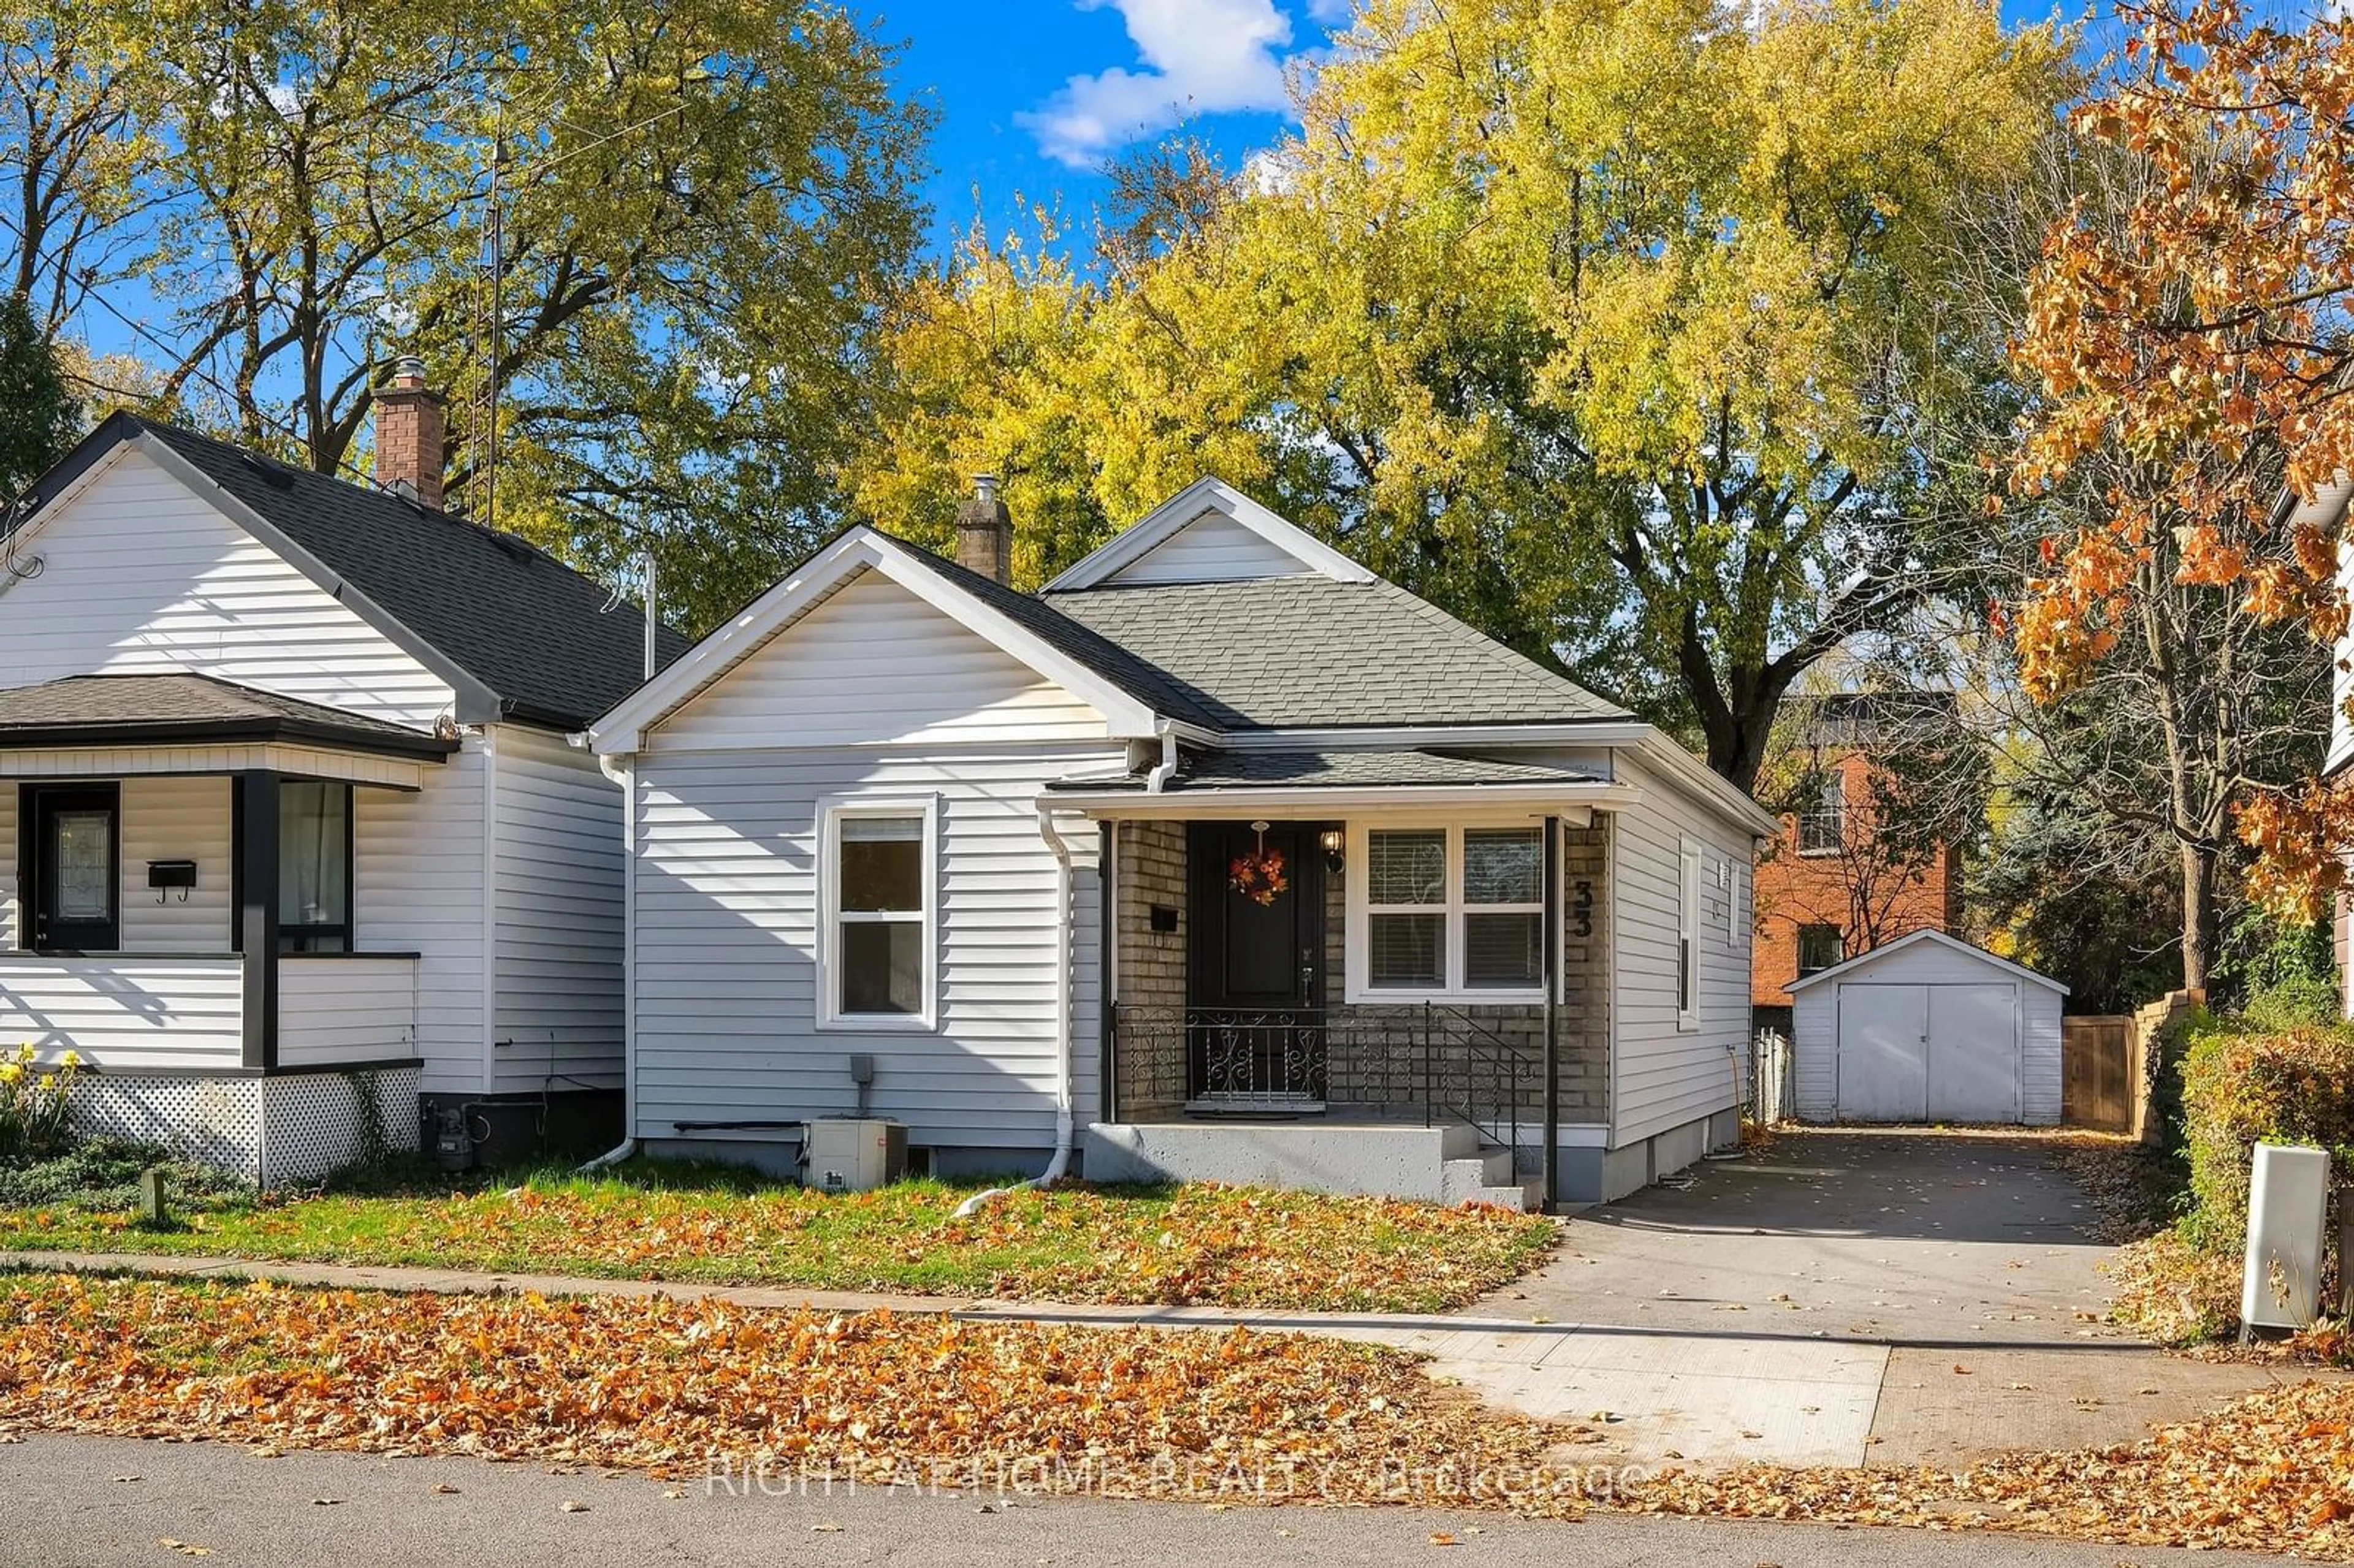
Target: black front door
(1256, 974)
(76, 901)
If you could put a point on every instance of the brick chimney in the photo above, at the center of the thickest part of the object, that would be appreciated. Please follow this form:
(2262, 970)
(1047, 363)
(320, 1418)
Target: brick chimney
(411, 431)
(985, 533)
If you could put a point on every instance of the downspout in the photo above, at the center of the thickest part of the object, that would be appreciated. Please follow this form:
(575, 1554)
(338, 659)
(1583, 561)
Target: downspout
(1166, 769)
(620, 771)
(1064, 915)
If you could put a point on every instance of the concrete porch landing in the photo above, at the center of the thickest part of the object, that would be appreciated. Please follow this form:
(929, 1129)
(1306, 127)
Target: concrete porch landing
(1445, 1163)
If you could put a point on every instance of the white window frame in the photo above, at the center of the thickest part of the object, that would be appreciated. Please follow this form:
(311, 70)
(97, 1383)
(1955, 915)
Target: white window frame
(1686, 971)
(833, 812)
(1360, 911)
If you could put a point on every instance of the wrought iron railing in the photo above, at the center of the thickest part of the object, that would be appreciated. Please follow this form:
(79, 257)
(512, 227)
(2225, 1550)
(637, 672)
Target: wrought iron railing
(1485, 1066)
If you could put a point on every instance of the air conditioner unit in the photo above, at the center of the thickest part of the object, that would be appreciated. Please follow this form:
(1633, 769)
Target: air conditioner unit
(848, 1154)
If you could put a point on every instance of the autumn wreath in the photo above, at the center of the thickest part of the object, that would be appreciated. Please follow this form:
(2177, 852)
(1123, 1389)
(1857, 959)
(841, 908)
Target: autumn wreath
(1258, 874)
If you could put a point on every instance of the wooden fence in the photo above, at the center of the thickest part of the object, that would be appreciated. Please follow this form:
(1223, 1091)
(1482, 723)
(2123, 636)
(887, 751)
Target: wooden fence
(2099, 1077)
(2104, 1067)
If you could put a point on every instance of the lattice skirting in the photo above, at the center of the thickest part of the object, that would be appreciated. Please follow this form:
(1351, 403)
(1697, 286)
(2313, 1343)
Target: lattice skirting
(276, 1132)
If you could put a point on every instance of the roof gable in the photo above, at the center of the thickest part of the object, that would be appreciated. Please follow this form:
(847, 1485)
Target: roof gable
(516, 633)
(1848, 969)
(869, 663)
(1208, 532)
(1033, 636)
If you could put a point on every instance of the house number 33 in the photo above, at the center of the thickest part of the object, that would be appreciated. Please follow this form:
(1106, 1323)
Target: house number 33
(1581, 907)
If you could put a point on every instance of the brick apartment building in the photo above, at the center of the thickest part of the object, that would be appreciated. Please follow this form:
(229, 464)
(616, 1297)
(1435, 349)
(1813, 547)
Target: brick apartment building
(1827, 889)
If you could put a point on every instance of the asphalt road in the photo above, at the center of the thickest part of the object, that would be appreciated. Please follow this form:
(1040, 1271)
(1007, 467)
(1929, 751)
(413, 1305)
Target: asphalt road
(100, 1502)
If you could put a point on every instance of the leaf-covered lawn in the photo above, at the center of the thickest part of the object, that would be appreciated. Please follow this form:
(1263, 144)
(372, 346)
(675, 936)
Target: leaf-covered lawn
(686, 1388)
(1219, 1246)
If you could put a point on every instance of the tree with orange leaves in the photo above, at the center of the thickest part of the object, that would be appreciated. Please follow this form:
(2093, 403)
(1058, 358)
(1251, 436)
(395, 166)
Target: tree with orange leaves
(2194, 365)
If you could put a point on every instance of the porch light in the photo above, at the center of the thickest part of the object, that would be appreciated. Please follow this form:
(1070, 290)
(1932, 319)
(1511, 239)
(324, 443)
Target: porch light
(1332, 840)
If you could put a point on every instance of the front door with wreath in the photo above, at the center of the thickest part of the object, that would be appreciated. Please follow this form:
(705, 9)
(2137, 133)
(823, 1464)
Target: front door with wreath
(1255, 973)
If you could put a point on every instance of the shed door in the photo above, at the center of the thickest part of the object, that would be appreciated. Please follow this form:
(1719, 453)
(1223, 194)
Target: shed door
(1929, 1053)
(1883, 1053)
(1974, 1052)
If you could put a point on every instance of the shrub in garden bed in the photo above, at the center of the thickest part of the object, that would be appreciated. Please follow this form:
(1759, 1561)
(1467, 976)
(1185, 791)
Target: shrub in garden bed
(2241, 1083)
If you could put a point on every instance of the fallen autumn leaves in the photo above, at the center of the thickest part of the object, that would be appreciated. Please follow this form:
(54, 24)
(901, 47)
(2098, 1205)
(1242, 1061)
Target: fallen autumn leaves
(682, 1388)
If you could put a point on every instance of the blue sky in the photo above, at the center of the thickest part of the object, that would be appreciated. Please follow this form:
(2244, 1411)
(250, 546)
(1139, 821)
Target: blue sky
(1033, 95)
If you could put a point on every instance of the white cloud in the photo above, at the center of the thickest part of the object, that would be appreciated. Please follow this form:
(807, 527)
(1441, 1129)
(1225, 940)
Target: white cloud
(1201, 57)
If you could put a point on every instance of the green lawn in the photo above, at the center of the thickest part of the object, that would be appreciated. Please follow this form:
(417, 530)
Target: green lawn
(1230, 1246)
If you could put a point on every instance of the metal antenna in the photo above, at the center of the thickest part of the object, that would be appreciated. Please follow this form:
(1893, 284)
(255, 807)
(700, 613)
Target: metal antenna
(653, 612)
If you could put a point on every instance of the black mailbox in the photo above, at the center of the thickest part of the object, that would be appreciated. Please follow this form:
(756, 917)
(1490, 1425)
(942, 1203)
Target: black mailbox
(172, 873)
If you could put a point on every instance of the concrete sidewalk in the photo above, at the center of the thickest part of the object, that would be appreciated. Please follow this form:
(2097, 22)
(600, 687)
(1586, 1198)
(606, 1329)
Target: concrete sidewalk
(1645, 1395)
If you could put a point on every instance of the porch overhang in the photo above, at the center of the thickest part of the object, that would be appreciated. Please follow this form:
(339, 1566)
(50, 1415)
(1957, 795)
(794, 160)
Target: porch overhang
(111, 726)
(1322, 783)
(1573, 803)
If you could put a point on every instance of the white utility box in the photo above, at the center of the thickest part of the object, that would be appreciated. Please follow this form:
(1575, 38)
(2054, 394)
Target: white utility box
(2288, 1212)
(844, 1154)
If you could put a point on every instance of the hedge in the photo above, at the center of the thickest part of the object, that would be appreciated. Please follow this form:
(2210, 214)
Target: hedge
(2242, 1086)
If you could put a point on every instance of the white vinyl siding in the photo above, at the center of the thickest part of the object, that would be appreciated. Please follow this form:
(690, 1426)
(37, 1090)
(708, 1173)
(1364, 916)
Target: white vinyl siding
(1213, 548)
(191, 1011)
(166, 818)
(724, 935)
(339, 1010)
(559, 864)
(1665, 1074)
(874, 664)
(141, 577)
(418, 887)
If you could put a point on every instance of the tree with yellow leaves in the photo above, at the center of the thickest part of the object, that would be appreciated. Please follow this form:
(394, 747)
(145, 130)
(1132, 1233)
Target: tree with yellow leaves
(1612, 326)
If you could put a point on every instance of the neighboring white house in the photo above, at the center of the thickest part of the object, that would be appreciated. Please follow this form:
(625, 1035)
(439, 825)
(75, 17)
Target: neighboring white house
(906, 841)
(2327, 513)
(1927, 1028)
(285, 796)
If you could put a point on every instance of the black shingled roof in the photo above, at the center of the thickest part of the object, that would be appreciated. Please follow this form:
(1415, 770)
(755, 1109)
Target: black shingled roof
(530, 631)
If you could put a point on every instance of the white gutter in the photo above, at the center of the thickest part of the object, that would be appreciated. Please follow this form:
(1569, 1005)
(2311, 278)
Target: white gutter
(1064, 912)
(1156, 780)
(622, 770)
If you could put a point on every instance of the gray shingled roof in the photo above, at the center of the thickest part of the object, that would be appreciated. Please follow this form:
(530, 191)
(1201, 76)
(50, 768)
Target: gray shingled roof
(95, 710)
(1166, 695)
(1300, 652)
(1337, 769)
(529, 629)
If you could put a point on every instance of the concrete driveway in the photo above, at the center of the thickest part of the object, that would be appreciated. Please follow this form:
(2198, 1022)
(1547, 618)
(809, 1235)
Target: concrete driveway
(1847, 1298)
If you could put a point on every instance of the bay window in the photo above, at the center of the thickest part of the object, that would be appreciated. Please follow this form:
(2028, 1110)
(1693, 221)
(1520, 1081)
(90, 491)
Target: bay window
(876, 969)
(1439, 911)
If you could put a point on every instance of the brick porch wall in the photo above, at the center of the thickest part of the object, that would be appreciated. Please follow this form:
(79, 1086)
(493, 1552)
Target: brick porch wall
(1388, 1040)
(1148, 871)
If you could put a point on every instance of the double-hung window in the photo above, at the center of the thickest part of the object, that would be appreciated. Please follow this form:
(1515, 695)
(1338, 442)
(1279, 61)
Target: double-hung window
(1440, 911)
(1822, 825)
(877, 969)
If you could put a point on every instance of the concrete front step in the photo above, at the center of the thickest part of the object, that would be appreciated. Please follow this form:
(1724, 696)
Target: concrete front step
(1442, 1164)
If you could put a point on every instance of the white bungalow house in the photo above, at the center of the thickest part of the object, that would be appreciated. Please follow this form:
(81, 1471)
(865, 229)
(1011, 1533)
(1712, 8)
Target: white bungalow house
(286, 807)
(1219, 857)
